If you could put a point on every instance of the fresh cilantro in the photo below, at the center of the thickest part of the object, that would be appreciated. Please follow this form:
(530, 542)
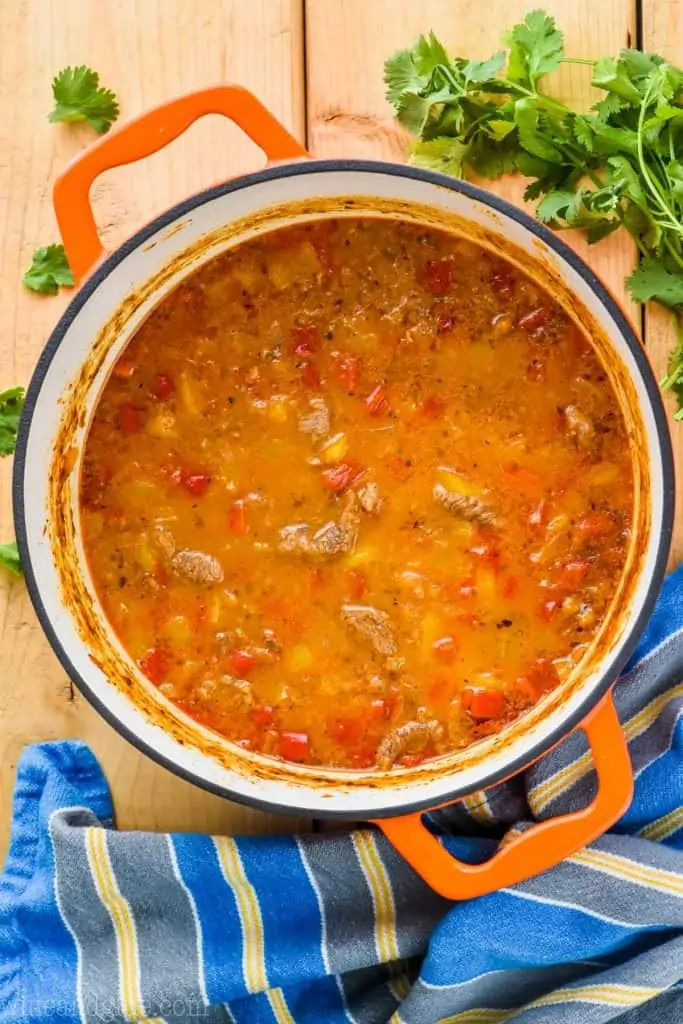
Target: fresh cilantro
(79, 96)
(444, 153)
(535, 48)
(48, 271)
(483, 70)
(9, 558)
(651, 280)
(618, 165)
(11, 404)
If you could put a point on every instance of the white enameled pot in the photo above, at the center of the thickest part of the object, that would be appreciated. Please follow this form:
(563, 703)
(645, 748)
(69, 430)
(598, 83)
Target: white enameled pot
(119, 291)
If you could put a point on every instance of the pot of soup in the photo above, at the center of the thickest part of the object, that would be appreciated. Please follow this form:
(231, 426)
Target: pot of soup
(344, 488)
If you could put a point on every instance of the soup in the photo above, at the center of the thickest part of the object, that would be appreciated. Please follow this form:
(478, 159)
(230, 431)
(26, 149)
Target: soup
(356, 494)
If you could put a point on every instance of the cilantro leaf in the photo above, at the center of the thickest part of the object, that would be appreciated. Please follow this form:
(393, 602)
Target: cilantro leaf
(610, 104)
(652, 280)
(49, 269)
(11, 404)
(483, 70)
(9, 558)
(428, 53)
(79, 96)
(612, 76)
(674, 377)
(444, 153)
(401, 76)
(554, 206)
(536, 47)
(533, 138)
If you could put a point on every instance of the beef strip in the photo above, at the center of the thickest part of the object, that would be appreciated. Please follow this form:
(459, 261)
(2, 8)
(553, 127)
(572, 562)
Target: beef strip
(409, 738)
(369, 498)
(330, 540)
(373, 625)
(472, 509)
(317, 422)
(197, 566)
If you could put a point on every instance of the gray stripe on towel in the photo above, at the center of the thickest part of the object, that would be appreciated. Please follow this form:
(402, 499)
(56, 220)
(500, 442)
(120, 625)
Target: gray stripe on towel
(169, 967)
(86, 916)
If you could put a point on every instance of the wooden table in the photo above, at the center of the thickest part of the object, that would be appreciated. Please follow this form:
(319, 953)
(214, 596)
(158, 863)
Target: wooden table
(318, 65)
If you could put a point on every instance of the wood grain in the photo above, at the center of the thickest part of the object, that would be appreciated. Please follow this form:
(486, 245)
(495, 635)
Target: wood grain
(147, 53)
(662, 29)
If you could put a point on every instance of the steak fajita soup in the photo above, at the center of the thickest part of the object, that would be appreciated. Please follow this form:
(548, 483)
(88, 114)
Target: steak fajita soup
(356, 494)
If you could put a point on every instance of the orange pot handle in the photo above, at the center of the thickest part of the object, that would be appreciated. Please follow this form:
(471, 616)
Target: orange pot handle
(542, 846)
(146, 135)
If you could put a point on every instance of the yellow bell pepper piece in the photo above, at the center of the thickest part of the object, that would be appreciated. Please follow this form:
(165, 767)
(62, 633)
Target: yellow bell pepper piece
(453, 481)
(335, 449)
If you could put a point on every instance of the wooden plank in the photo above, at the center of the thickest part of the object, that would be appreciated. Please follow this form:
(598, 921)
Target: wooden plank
(662, 30)
(347, 112)
(147, 52)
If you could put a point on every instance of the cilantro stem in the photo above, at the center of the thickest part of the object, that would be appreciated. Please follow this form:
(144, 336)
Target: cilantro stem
(674, 225)
(578, 60)
(669, 246)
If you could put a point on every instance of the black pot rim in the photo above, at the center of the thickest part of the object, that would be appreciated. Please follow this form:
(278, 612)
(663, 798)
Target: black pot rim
(99, 274)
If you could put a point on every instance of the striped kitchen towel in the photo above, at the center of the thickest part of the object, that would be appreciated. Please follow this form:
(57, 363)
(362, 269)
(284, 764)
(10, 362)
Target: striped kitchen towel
(98, 925)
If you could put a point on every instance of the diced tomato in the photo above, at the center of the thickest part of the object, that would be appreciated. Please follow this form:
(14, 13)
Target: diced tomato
(593, 525)
(310, 376)
(263, 716)
(364, 758)
(439, 276)
(536, 320)
(376, 402)
(380, 710)
(294, 746)
(543, 676)
(237, 518)
(156, 664)
(444, 323)
(347, 370)
(433, 406)
(305, 341)
(124, 369)
(482, 703)
(345, 729)
(195, 483)
(445, 648)
(574, 572)
(525, 688)
(357, 584)
(547, 609)
(163, 387)
(340, 477)
(130, 419)
(241, 662)
(510, 586)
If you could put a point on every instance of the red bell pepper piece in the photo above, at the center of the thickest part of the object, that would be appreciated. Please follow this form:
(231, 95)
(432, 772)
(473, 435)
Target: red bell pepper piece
(482, 703)
(294, 746)
(156, 664)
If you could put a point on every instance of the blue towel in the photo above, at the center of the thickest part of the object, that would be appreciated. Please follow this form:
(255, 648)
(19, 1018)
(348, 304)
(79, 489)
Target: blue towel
(98, 925)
